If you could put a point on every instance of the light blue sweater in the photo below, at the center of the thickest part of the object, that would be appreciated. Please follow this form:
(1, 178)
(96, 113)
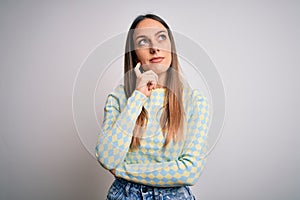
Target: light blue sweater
(180, 163)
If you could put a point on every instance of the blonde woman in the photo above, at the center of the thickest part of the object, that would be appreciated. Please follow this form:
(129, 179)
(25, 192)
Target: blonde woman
(155, 127)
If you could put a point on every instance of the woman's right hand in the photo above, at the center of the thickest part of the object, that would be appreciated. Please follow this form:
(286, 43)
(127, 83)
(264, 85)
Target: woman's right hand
(145, 82)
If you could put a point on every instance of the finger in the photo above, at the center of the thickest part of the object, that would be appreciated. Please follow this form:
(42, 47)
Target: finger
(151, 86)
(137, 69)
(152, 73)
(154, 85)
(149, 75)
(144, 79)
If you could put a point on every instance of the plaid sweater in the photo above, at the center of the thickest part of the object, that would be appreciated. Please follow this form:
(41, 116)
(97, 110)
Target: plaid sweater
(180, 163)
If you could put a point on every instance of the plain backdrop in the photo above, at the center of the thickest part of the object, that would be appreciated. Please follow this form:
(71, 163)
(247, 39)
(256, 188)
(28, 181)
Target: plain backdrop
(254, 45)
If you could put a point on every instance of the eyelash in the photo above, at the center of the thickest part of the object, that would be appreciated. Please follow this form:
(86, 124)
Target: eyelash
(139, 43)
(164, 37)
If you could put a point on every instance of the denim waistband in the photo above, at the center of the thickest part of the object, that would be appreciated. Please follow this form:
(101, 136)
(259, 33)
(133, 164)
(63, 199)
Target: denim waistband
(131, 189)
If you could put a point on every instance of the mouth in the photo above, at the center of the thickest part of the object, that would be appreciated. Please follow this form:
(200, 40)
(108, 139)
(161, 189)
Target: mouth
(156, 59)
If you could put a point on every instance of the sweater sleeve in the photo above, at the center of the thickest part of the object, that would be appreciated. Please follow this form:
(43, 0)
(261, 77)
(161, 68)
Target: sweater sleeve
(187, 168)
(117, 129)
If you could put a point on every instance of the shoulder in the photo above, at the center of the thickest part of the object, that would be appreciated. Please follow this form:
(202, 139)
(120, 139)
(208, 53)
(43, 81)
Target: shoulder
(192, 96)
(118, 94)
(194, 100)
(119, 91)
(198, 96)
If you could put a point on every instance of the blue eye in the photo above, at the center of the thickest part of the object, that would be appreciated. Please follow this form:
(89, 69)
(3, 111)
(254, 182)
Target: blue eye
(162, 37)
(142, 42)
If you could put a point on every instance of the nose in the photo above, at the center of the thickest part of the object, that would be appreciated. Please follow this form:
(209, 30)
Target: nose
(154, 48)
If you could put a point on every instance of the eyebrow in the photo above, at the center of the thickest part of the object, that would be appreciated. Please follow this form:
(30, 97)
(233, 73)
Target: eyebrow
(142, 36)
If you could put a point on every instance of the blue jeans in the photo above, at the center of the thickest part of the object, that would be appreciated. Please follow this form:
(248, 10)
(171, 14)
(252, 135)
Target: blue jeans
(125, 190)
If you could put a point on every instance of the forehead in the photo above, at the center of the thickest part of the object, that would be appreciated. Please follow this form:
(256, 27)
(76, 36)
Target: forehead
(148, 26)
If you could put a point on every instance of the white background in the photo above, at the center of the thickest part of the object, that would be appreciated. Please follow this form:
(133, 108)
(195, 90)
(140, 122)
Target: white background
(254, 44)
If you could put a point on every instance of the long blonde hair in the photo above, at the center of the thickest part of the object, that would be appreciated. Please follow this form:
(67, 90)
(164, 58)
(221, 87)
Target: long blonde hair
(171, 120)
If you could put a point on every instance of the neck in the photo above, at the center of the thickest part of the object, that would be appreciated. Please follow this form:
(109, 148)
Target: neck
(162, 80)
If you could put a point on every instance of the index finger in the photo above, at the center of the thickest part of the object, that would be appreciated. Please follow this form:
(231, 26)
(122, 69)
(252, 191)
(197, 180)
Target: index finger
(137, 69)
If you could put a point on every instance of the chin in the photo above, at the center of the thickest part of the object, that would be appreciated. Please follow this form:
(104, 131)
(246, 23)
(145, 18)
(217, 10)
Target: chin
(158, 72)
(159, 68)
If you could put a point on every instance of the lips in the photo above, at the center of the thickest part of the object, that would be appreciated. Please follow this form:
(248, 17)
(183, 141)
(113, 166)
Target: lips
(156, 59)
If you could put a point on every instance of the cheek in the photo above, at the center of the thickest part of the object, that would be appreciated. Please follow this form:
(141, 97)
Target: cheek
(168, 53)
(141, 54)
(168, 58)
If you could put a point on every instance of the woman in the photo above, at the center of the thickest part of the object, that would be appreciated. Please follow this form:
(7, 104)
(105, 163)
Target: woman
(155, 128)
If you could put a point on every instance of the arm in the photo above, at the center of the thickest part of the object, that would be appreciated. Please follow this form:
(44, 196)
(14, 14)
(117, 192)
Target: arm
(117, 128)
(186, 169)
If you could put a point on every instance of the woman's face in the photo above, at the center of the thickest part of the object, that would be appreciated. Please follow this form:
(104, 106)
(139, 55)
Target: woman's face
(152, 46)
